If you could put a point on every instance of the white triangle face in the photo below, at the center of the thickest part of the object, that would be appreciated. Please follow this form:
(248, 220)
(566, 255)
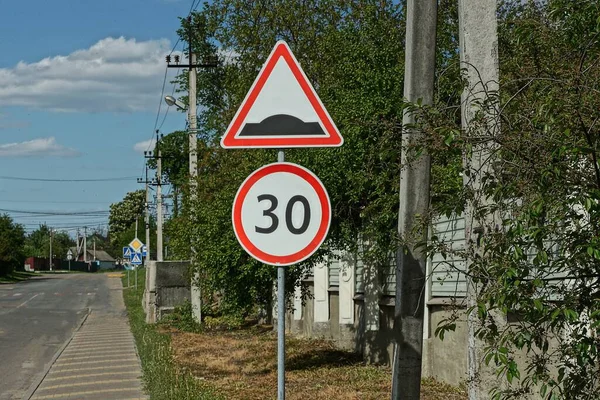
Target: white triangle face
(281, 95)
(281, 109)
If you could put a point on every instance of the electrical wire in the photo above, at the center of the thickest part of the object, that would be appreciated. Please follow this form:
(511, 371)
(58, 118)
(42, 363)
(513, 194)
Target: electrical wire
(31, 212)
(19, 178)
(54, 202)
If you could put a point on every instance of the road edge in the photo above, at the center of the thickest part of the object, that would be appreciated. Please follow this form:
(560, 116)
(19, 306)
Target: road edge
(37, 382)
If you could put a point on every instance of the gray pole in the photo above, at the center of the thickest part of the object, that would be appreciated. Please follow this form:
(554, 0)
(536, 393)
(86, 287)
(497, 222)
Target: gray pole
(479, 57)
(280, 321)
(159, 211)
(147, 217)
(50, 249)
(196, 291)
(85, 244)
(421, 23)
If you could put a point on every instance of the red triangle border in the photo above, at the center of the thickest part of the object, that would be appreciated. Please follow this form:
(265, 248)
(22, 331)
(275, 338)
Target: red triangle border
(229, 139)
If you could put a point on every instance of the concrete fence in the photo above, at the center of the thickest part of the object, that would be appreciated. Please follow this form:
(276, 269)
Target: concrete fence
(167, 286)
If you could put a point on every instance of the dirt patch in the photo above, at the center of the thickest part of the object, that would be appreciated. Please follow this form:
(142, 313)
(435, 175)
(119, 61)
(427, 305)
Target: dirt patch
(243, 365)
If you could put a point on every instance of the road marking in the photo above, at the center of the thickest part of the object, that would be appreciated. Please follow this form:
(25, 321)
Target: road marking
(107, 382)
(62, 378)
(27, 301)
(73, 394)
(115, 360)
(17, 294)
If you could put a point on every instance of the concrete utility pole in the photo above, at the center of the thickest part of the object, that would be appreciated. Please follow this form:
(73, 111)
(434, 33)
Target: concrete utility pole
(193, 146)
(78, 246)
(85, 244)
(94, 239)
(147, 154)
(196, 291)
(478, 38)
(50, 249)
(159, 204)
(147, 217)
(421, 24)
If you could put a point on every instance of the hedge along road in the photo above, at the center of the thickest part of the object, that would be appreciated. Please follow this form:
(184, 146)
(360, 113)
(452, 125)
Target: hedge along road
(37, 317)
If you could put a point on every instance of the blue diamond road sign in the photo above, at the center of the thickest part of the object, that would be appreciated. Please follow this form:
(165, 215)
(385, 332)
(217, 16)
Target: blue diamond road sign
(127, 252)
(136, 258)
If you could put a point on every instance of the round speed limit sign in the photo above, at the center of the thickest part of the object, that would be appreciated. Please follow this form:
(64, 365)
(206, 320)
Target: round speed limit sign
(281, 214)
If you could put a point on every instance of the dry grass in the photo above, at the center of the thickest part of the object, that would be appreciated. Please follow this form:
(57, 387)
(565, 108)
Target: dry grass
(243, 365)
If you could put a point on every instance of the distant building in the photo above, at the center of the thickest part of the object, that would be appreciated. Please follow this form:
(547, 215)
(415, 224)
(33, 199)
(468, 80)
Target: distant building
(102, 259)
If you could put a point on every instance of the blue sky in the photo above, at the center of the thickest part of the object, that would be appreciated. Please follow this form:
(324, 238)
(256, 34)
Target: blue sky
(80, 86)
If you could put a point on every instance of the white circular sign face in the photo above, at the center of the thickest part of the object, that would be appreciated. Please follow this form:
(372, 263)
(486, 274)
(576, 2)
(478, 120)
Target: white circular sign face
(281, 214)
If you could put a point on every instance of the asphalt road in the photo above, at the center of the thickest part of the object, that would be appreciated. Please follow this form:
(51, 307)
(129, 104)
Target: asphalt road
(37, 317)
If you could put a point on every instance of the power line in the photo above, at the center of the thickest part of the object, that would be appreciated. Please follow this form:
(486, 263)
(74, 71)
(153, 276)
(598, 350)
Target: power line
(54, 202)
(31, 212)
(20, 178)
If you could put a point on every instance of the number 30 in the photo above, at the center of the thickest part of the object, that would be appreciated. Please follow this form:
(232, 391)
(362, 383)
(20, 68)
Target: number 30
(288, 214)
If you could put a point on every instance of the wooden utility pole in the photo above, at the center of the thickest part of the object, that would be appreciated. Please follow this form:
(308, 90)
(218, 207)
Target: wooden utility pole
(479, 57)
(421, 21)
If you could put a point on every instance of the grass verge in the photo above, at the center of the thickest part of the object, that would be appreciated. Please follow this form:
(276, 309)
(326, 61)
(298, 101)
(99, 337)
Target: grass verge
(242, 364)
(163, 379)
(16, 276)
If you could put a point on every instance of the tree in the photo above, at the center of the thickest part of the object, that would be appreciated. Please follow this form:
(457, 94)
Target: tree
(37, 243)
(122, 217)
(12, 239)
(362, 89)
(540, 265)
(124, 213)
(175, 163)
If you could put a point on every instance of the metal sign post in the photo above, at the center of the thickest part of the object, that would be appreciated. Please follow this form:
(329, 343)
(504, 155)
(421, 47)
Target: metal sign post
(281, 212)
(69, 258)
(280, 320)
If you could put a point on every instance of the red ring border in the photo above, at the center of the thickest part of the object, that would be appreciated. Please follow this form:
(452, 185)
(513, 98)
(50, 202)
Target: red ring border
(313, 245)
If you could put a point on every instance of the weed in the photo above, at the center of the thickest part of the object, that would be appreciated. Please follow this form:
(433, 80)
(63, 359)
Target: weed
(182, 319)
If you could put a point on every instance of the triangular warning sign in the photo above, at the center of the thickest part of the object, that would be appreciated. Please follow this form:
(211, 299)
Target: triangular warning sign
(281, 109)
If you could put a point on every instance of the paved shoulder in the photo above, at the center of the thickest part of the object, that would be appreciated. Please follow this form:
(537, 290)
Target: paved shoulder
(100, 361)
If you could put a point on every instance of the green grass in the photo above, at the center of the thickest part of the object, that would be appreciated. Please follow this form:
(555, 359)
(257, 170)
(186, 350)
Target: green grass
(162, 378)
(16, 276)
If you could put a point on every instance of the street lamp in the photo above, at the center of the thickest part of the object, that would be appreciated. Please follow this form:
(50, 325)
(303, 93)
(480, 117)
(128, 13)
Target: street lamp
(172, 101)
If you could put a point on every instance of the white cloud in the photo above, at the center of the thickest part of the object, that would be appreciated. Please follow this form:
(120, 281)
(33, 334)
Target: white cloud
(37, 147)
(115, 74)
(146, 145)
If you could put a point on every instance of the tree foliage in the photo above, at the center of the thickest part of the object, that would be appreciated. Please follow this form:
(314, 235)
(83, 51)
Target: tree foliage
(540, 264)
(37, 243)
(362, 88)
(12, 238)
(122, 219)
(124, 213)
